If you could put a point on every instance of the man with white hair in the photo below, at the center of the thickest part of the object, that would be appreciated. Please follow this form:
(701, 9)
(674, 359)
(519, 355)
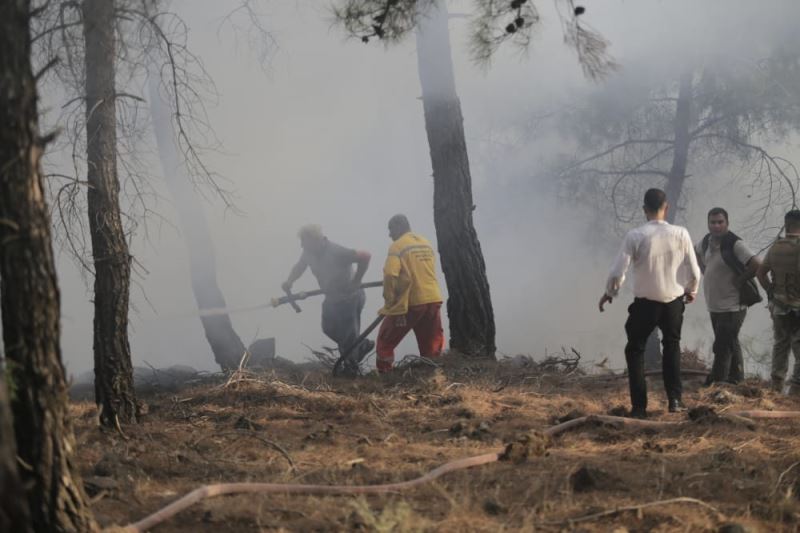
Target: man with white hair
(332, 265)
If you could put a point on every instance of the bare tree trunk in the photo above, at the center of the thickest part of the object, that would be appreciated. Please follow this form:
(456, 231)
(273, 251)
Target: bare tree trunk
(113, 381)
(680, 158)
(469, 303)
(30, 306)
(225, 343)
(677, 177)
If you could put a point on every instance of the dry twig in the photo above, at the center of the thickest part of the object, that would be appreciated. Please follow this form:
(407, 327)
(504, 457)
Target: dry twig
(612, 512)
(780, 478)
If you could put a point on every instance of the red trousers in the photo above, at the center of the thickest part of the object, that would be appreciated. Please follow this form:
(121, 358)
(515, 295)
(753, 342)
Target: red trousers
(425, 320)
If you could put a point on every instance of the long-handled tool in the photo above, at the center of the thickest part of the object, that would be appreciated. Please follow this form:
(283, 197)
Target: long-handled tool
(294, 298)
(337, 367)
(274, 302)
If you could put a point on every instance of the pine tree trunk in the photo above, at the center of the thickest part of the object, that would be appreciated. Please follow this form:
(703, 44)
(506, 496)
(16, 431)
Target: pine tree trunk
(30, 300)
(225, 343)
(114, 392)
(469, 303)
(677, 177)
(14, 514)
(680, 158)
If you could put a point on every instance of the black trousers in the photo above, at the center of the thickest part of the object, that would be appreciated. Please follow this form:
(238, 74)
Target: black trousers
(728, 361)
(341, 320)
(643, 317)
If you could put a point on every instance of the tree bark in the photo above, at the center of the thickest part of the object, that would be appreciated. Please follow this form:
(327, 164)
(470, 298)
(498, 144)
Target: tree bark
(225, 343)
(675, 181)
(14, 514)
(29, 299)
(469, 303)
(114, 391)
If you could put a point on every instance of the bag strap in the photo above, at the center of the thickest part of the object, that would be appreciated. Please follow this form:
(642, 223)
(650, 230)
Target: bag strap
(704, 244)
(727, 253)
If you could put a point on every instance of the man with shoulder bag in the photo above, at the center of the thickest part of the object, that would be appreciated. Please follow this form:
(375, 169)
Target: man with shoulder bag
(728, 268)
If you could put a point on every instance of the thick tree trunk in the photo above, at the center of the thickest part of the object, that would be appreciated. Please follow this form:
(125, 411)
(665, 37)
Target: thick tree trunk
(113, 380)
(469, 303)
(225, 343)
(14, 514)
(677, 177)
(30, 304)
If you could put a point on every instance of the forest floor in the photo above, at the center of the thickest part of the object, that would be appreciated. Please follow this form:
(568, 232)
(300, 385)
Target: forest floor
(304, 427)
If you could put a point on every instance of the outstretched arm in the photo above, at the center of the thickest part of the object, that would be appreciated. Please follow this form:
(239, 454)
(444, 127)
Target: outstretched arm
(294, 274)
(617, 275)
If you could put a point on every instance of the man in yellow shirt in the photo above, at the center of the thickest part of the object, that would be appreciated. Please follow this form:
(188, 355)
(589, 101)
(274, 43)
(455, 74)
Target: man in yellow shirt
(411, 295)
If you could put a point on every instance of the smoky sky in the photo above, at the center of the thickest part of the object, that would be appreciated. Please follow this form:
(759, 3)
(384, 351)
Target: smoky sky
(329, 130)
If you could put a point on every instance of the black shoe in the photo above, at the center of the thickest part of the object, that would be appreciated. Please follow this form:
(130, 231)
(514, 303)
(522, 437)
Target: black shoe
(638, 412)
(350, 370)
(676, 406)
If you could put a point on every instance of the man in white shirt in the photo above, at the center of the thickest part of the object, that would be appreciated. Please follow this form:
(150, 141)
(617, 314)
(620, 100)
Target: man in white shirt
(661, 254)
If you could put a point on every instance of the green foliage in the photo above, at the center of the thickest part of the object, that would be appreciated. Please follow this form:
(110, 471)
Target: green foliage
(492, 23)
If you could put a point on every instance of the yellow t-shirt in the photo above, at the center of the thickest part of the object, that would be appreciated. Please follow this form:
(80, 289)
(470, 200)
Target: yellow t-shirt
(409, 275)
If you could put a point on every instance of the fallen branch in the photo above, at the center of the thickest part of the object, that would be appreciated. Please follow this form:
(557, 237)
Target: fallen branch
(615, 421)
(619, 421)
(650, 373)
(767, 414)
(618, 510)
(274, 445)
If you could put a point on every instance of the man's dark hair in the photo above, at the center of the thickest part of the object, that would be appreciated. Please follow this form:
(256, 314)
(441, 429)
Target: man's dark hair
(654, 199)
(400, 222)
(718, 211)
(792, 221)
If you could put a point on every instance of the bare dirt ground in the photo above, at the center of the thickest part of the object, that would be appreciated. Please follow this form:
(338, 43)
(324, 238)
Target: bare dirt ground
(306, 427)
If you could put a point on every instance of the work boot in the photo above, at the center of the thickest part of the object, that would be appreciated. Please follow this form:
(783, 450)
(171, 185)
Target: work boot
(350, 369)
(794, 390)
(675, 406)
(638, 412)
(777, 385)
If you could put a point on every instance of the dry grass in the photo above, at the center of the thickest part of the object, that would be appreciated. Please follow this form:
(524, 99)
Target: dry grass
(377, 430)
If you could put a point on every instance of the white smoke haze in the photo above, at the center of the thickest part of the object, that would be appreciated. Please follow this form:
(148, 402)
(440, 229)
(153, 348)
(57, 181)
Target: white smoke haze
(331, 131)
